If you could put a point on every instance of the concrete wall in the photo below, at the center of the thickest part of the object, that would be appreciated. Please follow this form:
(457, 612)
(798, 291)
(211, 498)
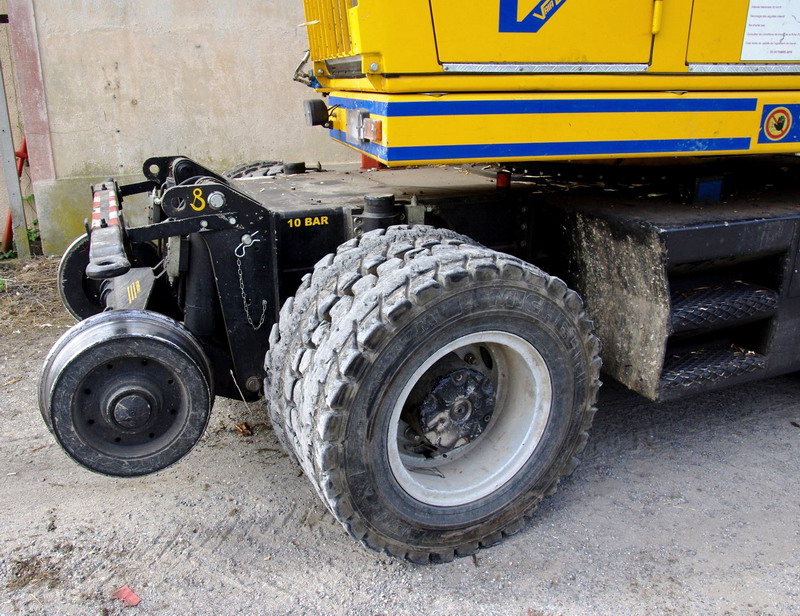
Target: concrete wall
(126, 80)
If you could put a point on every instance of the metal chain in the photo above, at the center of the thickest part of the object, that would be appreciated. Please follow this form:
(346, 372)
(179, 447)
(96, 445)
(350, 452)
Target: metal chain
(244, 300)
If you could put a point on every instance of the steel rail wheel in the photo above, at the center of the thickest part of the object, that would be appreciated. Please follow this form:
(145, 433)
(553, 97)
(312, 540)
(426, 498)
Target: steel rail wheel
(82, 296)
(79, 294)
(126, 393)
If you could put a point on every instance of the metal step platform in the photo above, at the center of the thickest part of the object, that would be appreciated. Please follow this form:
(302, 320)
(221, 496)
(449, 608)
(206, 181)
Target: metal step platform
(706, 368)
(721, 305)
(686, 296)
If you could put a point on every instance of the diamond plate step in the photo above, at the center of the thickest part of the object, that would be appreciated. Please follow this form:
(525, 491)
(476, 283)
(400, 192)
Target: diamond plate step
(721, 305)
(703, 368)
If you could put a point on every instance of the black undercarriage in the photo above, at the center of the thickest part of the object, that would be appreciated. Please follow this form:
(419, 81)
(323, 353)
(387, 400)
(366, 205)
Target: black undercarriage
(227, 253)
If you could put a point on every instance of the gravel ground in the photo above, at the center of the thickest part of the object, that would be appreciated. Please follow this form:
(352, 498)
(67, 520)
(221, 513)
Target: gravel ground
(682, 508)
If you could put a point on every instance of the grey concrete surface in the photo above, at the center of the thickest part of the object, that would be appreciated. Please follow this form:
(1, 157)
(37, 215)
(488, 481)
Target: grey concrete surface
(686, 508)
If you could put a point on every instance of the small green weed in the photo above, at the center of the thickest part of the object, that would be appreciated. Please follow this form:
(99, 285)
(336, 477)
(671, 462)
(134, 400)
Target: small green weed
(33, 233)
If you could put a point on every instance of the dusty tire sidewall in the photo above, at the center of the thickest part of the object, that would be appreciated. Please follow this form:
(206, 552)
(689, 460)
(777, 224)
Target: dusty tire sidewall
(508, 307)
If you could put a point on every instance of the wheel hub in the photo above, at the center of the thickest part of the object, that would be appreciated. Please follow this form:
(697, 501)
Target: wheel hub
(457, 410)
(132, 411)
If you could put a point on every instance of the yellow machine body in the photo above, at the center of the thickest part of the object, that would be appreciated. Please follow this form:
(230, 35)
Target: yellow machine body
(447, 81)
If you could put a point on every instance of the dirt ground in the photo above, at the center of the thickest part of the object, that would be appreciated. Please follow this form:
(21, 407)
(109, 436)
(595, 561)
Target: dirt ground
(682, 508)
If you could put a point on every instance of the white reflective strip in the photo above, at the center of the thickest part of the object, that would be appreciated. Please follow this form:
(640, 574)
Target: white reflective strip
(745, 68)
(543, 68)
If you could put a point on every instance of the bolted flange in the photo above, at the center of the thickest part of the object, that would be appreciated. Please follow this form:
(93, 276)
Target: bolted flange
(457, 409)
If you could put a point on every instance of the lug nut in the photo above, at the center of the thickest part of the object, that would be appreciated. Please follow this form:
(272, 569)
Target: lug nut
(253, 384)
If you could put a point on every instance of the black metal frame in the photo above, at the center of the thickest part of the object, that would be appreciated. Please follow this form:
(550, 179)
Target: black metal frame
(242, 256)
(230, 290)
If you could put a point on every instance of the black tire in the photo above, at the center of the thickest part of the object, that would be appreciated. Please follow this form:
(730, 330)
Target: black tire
(301, 315)
(397, 325)
(251, 170)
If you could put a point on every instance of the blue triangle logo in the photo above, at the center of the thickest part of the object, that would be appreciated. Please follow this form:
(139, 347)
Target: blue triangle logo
(533, 21)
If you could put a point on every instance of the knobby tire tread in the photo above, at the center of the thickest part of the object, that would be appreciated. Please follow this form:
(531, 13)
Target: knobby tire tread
(340, 316)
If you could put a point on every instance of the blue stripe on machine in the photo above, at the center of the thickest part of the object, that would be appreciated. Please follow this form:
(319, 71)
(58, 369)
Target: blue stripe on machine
(495, 151)
(534, 106)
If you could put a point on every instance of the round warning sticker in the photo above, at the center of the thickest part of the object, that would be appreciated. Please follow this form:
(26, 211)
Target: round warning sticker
(778, 124)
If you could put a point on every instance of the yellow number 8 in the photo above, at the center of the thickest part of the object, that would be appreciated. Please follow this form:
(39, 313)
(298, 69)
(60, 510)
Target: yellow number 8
(198, 204)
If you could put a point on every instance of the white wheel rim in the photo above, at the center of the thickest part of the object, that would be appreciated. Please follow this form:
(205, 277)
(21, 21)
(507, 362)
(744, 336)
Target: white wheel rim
(522, 410)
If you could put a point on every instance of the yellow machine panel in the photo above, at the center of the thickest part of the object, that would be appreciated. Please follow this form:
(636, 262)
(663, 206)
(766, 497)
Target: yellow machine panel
(716, 35)
(457, 128)
(554, 45)
(522, 80)
(530, 31)
(747, 31)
